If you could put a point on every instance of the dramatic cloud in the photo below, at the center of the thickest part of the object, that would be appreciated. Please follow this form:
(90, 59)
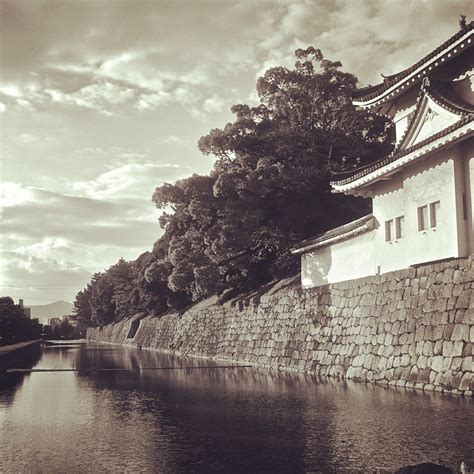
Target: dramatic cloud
(100, 102)
(129, 181)
(55, 238)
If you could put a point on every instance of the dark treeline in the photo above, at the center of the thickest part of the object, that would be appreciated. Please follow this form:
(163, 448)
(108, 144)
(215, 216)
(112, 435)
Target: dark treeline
(269, 189)
(14, 325)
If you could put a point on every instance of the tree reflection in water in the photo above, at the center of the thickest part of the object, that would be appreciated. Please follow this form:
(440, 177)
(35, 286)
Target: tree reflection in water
(229, 419)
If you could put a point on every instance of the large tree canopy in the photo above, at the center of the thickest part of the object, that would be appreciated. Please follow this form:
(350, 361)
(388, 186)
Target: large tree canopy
(269, 189)
(107, 298)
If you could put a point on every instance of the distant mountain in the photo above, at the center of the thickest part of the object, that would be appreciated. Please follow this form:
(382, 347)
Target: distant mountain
(52, 310)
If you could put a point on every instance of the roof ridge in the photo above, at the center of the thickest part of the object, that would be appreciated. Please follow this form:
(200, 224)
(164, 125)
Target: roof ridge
(367, 93)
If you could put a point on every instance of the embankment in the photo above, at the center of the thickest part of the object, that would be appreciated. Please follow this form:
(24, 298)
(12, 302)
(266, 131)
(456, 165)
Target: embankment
(411, 328)
(11, 354)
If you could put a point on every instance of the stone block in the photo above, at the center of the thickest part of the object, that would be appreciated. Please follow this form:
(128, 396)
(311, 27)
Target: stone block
(460, 333)
(418, 348)
(428, 348)
(464, 298)
(448, 348)
(466, 382)
(424, 375)
(464, 316)
(457, 277)
(437, 364)
(448, 330)
(413, 376)
(419, 333)
(456, 364)
(405, 360)
(467, 365)
(458, 347)
(448, 275)
(451, 303)
(437, 332)
(447, 379)
(405, 372)
(467, 350)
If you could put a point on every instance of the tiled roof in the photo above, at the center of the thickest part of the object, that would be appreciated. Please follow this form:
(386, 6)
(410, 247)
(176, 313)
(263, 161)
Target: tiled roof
(343, 232)
(366, 94)
(443, 94)
(346, 177)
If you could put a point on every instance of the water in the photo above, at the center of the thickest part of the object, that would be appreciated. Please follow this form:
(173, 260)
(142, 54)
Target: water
(214, 419)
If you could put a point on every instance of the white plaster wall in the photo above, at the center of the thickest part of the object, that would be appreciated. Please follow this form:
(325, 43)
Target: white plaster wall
(400, 109)
(401, 122)
(347, 260)
(438, 178)
(433, 124)
(388, 203)
(427, 181)
(468, 175)
(460, 187)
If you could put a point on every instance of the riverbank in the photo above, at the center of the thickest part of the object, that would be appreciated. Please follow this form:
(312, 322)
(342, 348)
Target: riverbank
(4, 350)
(411, 328)
(9, 352)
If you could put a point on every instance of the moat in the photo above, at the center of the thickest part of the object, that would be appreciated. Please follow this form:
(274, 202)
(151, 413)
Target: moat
(163, 413)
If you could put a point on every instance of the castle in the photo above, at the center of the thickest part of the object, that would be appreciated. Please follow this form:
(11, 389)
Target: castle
(422, 192)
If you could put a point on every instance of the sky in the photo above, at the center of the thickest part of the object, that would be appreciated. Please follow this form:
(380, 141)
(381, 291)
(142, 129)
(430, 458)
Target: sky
(102, 101)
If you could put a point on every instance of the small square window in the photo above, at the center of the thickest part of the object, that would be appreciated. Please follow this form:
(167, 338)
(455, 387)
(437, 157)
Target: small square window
(399, 227)
(422, 217)
(388, 230)
(434, 213)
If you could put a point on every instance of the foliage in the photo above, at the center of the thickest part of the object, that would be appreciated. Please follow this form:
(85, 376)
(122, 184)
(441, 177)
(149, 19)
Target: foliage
(269, 189)
(65, 330)
(14, 325)
(82, 310)
(107, 298)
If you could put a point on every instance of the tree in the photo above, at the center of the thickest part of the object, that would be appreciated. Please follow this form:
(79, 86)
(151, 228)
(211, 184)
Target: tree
(82, 311)
(65, 330)
(107, 298)
(121, 276)
(269, 189)
(14, 325)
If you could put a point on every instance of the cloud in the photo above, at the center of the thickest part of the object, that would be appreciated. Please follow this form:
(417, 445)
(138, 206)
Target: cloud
(112, 211)
(213, 104)
(54, 238)
(172, 139)
(131, 180)
(32, 277)
(103, 101)
(99, 95)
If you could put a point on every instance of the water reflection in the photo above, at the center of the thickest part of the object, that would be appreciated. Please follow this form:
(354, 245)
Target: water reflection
(24, 359)
(211, 419)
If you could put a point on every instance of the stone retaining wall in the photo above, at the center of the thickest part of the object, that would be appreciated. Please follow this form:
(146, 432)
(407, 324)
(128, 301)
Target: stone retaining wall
(412, 328)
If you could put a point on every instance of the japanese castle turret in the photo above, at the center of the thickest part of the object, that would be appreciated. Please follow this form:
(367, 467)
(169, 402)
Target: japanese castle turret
(422, 192)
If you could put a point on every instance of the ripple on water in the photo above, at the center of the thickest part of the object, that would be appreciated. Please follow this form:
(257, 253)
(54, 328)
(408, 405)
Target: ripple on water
(216, 419)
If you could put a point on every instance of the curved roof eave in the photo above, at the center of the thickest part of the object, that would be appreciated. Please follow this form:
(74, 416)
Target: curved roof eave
(398, 83)
(462, 129)
(336, 235)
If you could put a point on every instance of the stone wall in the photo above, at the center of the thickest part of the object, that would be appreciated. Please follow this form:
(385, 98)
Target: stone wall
(411, 328)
